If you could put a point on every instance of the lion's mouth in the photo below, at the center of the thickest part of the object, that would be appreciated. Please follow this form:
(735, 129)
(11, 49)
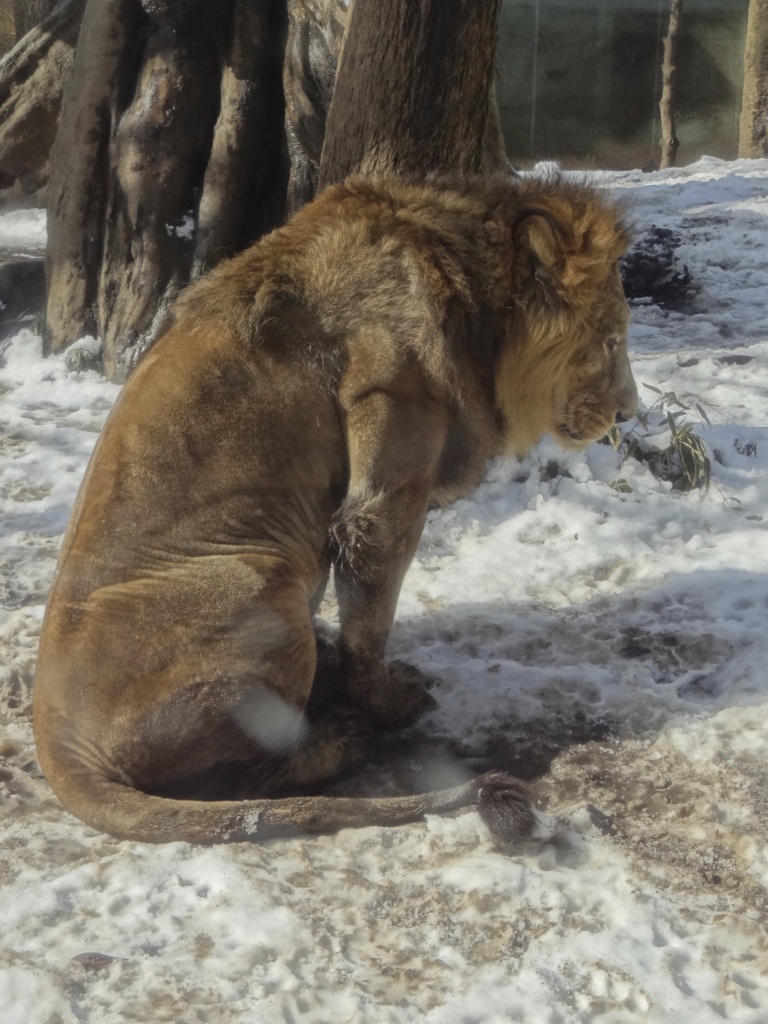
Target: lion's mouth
(571, 438)
(584, 435)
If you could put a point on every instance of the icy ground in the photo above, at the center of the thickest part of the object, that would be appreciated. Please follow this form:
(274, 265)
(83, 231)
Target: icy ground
(608, 644)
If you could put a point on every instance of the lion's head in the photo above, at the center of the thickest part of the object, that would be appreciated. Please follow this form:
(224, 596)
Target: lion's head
(566, 369)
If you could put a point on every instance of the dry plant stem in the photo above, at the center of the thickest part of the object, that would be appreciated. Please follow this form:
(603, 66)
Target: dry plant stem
(669, 140)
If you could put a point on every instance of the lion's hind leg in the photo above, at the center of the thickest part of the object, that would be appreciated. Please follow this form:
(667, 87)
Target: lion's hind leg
(334, 744)
(239, 739)
(248, 727)
(335, 735)
(198, 742)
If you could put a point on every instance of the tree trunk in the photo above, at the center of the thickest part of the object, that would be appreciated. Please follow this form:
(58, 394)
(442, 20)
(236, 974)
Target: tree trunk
(29, 13)
(168, 157)
(753, 126)
(171, 149)
(32, 77)
(239, 201)
(669, 140)
(494, 150)
(80, 169)
(158, 151)
(413, 87)
(315, 31)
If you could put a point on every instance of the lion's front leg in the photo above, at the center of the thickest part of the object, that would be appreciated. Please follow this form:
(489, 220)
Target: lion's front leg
(369, 571)
(394, 446)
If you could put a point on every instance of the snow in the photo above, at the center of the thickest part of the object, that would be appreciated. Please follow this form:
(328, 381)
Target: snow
(612, 645)
(24, 230)
(185, 228)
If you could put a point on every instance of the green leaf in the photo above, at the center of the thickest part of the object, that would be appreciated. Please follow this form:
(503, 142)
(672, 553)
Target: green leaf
(691, 462)
(703, 414)
(620, 485)
(614, 436)
(696, 465)
(634, 450)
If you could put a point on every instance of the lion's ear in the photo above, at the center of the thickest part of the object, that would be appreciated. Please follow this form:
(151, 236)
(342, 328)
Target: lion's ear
(538, 234)
(546, 248)
(567, 256)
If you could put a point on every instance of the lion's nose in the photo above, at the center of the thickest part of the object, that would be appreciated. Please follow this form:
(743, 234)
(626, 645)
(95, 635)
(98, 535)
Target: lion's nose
(627, 403)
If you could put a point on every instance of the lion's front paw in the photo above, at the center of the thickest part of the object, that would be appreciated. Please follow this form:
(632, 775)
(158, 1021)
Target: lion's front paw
(355, 734)
(395, 694)
(409, 692)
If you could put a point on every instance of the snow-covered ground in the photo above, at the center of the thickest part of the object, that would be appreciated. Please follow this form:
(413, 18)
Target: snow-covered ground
(22, 231)
(610, 644)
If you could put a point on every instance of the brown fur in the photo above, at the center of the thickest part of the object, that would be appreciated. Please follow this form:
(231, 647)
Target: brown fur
(312, 398)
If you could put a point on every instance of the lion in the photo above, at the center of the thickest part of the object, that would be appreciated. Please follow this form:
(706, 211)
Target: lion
(312, 398)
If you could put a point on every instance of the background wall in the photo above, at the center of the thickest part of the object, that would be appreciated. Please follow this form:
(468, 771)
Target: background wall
(579, 80)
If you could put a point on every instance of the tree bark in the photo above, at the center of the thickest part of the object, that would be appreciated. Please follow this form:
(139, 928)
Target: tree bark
(753, 125)
(168, 157)
(171, 150)
(494, 150)
(158, 153)
(669, 140)
(245, 177)
(32, 77)
(80, 169)
(315, 32)
(412, 90)
(29, 13)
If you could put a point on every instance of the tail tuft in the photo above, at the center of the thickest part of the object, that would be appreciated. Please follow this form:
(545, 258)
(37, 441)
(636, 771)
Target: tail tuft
(504, 805)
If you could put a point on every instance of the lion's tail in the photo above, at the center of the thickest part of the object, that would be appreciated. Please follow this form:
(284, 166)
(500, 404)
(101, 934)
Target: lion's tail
(129, 813)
